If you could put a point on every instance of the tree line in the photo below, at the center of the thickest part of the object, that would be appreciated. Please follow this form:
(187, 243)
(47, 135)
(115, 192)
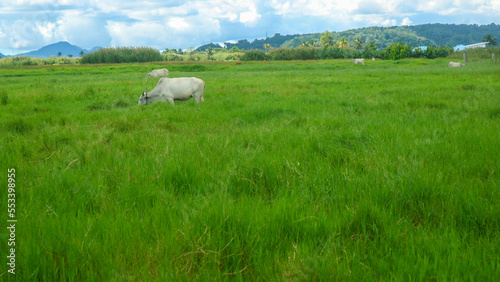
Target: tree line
(327, 48)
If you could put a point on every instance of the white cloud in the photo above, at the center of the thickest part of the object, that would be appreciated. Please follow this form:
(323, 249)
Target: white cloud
(376, 20)
(47, 30)
(160, 35)
(406, 21)
(250, 17)
(179, 24)
(30, 24)
(321, 8)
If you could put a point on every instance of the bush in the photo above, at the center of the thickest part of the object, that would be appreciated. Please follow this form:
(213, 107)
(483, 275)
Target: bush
(286, 54)
(123, 55)
(397, 51)
(281, 54)
(254, 55)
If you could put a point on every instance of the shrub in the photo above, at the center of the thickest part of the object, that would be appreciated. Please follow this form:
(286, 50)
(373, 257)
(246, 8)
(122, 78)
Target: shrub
(397, 51)
(281, 54)
(254, 55)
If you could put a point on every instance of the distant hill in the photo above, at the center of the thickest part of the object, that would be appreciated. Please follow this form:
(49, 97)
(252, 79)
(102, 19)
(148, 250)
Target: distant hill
(62, 48)
(276, 41)
(452, 35)
(416, 35)
(2, 55)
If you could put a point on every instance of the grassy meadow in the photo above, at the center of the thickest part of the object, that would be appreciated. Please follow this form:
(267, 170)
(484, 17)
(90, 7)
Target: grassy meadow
(301, 170)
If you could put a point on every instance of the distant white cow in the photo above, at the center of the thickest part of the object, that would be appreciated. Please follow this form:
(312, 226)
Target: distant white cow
(359, 61)
(455, 65)
(160, 72)
(171, 89)
(373, 59)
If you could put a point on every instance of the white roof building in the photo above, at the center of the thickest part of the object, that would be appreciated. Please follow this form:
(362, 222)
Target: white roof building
(477, 45)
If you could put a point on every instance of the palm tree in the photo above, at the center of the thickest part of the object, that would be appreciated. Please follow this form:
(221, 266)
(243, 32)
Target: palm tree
(343, 43)
(267, 46)
(358, 43)
(326, 39)
(491, 39)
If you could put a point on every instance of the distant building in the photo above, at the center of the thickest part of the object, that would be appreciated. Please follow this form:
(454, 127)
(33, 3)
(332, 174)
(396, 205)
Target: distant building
(477, 45)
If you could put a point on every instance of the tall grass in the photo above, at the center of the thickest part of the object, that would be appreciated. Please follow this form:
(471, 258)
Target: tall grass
(317, 170)
(122, 55)
(25, 61)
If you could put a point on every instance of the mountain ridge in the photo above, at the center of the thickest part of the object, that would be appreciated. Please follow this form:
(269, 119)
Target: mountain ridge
(415, 35)
(61, 48)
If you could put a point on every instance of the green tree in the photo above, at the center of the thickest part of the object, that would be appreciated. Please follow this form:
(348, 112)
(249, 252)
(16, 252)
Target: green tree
(326, 40)
(397, 51)
(210, 52)
(358, 43)
(309, 43)
(371, 50)
(81, 53)
(234, 49)
(59, 54)
(491, 39)
(343, 43)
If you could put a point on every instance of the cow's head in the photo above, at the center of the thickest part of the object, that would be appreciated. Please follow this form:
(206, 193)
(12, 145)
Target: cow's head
(143, 100)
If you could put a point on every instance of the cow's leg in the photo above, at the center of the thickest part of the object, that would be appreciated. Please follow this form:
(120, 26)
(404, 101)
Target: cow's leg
(198, 96)
(170, 100)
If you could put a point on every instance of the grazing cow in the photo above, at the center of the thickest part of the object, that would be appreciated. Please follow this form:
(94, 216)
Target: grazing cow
(373, 59)
(171, 89)
(359, 61)
(455, 65)
(160, 72)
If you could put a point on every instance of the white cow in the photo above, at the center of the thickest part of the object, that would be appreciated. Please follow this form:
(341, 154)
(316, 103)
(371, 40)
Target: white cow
(160, 72)
(171, 89)
(359, 61)
(455, 65)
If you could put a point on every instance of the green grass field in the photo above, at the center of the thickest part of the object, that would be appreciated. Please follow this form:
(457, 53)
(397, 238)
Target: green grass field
(317, 170)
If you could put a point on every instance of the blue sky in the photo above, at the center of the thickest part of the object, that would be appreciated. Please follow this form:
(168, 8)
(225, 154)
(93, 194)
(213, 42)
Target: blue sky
(27, 25)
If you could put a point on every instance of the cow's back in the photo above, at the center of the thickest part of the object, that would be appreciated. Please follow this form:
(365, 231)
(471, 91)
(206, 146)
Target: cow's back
(181, 88)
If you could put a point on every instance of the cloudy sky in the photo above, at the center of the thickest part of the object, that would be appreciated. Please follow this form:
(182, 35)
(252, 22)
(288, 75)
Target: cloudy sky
(27, 25)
